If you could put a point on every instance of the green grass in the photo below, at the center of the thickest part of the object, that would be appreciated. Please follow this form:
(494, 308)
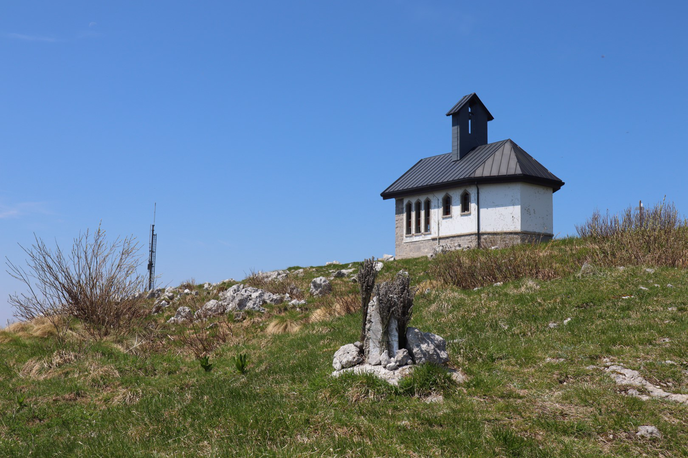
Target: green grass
(531, 389)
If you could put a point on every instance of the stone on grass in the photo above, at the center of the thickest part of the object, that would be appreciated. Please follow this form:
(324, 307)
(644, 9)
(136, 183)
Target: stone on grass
(387, 257)
(210, 309)
(183, 315)
(391, 377)
(379, 266)
(275, 275)
(242, 297)
(348, 355)
(586, 270)
(320, 286)
(648, 431)
(426, 347)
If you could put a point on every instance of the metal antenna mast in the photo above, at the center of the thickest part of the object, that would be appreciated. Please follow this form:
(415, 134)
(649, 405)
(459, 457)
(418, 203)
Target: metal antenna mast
(151, 258)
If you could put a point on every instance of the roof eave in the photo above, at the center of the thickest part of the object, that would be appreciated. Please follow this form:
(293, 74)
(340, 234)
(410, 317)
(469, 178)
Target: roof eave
(554, 184)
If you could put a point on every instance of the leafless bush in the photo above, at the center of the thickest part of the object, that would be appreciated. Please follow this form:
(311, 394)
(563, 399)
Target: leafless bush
(97, 283)
(640, 236)
(366, 283)
(481, 267)
(202, 338)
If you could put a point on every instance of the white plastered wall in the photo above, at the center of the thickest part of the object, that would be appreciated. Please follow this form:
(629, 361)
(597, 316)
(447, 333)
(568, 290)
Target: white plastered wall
(536, 208)
(504, 207)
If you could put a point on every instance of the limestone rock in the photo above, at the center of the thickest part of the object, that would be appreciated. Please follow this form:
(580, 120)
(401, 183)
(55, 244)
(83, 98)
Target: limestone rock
(387, 257)
(183, 315)
(393, 337)
(586, 270)
(373, 334)
(426, 347)
(649, 432)
(391, 377)
(242, 297)
(402, 358)
(384, 359)
(275, 275)
(210, 309)
(378, 266)
(347, 356)
(320, 286)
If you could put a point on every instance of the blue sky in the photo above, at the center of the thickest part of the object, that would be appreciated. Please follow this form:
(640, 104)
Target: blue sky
(266, 130)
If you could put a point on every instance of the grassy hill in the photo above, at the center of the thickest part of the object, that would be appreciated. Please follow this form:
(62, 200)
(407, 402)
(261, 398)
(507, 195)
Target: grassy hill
(536, 350)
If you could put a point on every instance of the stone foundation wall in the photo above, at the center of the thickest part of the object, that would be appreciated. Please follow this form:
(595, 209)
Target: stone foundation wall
(487, 240)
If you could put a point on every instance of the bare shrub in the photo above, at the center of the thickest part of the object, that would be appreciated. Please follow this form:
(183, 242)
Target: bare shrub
(366, 283)
(651, 236)
(347, 304)
(481, 267)
(640, 236)
(202, 338)
(97, 283)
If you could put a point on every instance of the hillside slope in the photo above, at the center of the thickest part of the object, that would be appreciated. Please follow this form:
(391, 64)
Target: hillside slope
(536, 354)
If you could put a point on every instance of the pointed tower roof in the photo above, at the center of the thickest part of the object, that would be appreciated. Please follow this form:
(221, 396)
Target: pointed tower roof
(473, 98)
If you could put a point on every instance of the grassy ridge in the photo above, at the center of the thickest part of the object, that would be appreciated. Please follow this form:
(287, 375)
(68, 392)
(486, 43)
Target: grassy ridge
(533, 389)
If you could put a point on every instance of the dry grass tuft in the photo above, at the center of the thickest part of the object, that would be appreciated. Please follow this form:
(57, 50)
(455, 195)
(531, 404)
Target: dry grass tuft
(426, 285)
(345, 305)
(337, 307)
(283, 326)
(36, 327)
(127, 397)
(322, 314)
(42, 368)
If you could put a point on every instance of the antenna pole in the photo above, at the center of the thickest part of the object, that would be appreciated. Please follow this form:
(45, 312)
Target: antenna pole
(151, 255)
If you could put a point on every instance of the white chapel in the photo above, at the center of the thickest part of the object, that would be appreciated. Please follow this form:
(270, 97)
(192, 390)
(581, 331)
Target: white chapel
(479, 195)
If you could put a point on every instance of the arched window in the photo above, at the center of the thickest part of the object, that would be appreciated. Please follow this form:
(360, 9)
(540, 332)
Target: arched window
(465, 202)
(427, 215)
(409, 218)
(418, 217)
(446, 205)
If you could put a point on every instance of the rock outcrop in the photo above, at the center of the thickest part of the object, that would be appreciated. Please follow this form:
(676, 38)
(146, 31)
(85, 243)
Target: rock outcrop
(320, 286)
(426, 347)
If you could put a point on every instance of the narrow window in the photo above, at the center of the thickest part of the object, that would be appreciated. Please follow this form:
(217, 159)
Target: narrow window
(465, 202)
(418, 217)
(408, 218)
(470, 120)
(446, 205)
(427, 215)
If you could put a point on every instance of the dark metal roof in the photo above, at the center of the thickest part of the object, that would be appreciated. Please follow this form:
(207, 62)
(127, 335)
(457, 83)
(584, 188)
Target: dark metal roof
(494, 162)
(464, 100)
